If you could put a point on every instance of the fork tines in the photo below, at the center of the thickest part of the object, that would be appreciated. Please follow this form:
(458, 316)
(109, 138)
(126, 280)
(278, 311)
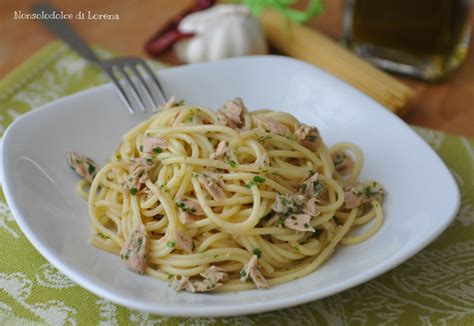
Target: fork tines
(135, 81)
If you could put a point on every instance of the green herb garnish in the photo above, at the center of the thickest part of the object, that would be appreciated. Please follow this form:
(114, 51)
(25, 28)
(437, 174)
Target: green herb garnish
(185, 208)
(303, 187)
(157, 150)
(257, 252)
(90, 169)
(133, 191)
(255, 179)
(231, 163)
(171, 243)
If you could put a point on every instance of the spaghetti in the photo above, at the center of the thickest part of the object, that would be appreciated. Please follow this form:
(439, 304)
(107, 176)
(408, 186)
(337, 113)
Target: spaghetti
(227, 201)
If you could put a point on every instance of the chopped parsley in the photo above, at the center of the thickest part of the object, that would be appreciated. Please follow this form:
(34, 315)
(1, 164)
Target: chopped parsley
(190, 119)
(231, 163)
(139, 244)
(133, 191)
(281, 220)
(255, 179)
(296, 248)
(90, 168)
(157, 150)
(170, 276)
(141, 148)
(185, 208)
(317, 186)
(303, 187)
(243, 273)
(171, 243)
(257, 252)
(126, 256)
(370, 192)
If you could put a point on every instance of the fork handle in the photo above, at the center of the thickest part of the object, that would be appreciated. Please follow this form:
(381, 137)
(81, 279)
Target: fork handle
(65, 32)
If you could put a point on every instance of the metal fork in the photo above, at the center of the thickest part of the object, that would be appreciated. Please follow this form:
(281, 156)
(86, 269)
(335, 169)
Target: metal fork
(133, 78)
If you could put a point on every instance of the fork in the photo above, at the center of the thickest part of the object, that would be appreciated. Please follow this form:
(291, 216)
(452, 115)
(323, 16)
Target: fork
(133, 78)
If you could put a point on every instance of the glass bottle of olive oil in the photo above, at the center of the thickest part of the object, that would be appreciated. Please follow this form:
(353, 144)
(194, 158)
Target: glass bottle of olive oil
(426, 39)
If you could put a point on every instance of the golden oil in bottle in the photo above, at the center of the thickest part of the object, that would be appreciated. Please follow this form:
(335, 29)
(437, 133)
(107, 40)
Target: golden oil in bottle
(426, 39)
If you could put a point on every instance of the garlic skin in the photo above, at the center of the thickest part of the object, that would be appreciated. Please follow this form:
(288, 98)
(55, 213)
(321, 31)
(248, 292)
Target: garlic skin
(223, 31)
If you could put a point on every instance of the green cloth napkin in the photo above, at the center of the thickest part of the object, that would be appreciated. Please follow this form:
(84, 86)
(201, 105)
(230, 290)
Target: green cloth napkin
(434, 287)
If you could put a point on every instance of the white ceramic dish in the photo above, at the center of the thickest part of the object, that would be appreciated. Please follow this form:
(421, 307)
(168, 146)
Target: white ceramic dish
(422, 196)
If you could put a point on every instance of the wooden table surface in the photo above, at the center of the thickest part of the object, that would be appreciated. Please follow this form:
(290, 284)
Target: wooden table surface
(447, 106)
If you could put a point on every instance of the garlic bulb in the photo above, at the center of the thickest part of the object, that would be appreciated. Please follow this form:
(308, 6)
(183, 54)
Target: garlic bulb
(222, 31)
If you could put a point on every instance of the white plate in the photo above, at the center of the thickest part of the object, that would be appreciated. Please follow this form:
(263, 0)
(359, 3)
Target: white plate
(422, 196)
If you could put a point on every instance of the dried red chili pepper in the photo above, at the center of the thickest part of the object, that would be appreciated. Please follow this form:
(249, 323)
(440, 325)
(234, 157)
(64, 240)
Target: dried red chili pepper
(169, 34)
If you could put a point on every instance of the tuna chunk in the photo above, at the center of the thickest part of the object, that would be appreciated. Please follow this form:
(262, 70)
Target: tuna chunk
(271, 125)
(183, 241)
(214, 274)
(213, 185)
(212, 278)
(299, 222)
(138, 175)
(82, 165)
(190, 206)
(134, 252)
(183, 283)
(231, 113)
(288, 204)
(310, 207)
(219, 154)
(153, 144)
(361, 193)
(189, 210)
(307, 136)
(251, 270)
(312, 187)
